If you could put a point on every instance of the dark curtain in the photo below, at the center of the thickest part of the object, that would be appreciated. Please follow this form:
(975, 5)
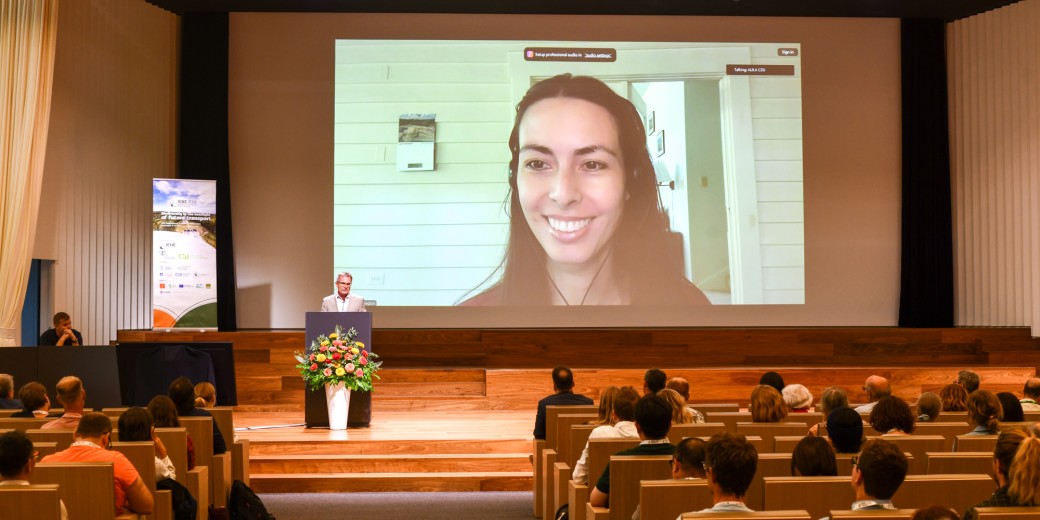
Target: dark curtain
(926, 291)
(203, 135)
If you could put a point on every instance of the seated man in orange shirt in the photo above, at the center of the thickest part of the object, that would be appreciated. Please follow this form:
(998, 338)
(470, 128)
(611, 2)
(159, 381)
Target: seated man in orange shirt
(91, 441)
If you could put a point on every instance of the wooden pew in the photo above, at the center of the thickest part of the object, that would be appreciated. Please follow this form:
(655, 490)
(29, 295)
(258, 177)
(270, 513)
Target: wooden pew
(33, 502)
(918, 446)
(552, 412)
(797, 514)
(85, 487)
(45, 448)
(806, 418)
(679, 432)
(786, 443)
(819, 495)
(114, 413)
(952, 417)
(706, 408)
(872, 514)
(730, 419)
(142, 456)
(1007, 513)
(201, 431)
(240, 461)
(949, 430)
(61, 438)
(960, 462)
(548, 483)
(769, 465)
(565, 422)
(975, 443)
(225, 419)
(197, 480)
(23, 423)
(600, 451)
(577, 439)
(770, 430)
(1011, 425)
(626, 473)
(537, 446)
(7, 412)
(667, 499)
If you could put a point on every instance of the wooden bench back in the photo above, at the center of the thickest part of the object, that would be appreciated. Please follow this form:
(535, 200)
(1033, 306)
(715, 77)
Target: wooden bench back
(600, 451)
(786, 443)
(1007, 513)
(626, 473)
(975, 443)
(176, 442)
(706, 408)
(225, 419)
(552, 412)
(87, 488)
(769, 465)
(806, 418)
(949, 430)
(918, 446)
(730, 419)
(872, 514)
(952, 417)
(33, 502)
(578, 437)
(23, 423)
(795, 514)
(960, 462)
(142, 455)
(564, 422)
(61, 438)
(667, 499)
(679, 432)
(201, 431)
(770, 430)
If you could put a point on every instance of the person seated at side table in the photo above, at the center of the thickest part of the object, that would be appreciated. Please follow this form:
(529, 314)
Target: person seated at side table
(62, 334)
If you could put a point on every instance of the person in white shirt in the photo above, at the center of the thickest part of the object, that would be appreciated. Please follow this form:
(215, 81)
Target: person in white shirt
(17, 462)
(1031, 393)
(136, 425)
(876, 387)
(623, 416)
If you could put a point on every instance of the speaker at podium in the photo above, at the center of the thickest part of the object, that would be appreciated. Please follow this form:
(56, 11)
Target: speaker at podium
(315, 410)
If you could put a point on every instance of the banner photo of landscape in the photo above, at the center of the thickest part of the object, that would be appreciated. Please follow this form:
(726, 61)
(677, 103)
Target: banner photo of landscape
(184, 254)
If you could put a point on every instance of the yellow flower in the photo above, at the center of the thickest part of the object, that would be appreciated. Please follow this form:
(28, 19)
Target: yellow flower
(333, 335)
(321, 358)
(359, 344)
(354, 351)
(340, 371)
(325, 343)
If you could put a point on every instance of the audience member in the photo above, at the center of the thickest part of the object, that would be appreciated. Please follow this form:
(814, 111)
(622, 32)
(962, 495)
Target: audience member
(622, 426)
(164, 415)
(92, 439)
(1003, 456)
(1024, 476)
(680, 413)
(876, 387)
(845, 430)
(688, 461)
(182, 393)
(892, 416)
(1011, 407)
(135, 425)
(730, 463)
(35, 402)
(813, 457)
(833, 398)
(62, 334)
(1031, 393)
(984, 413)
(17, 462)
(935, 513)
(654, 381)
(653, 419)
(7, 400)
(798, 398)
(563, 386)
(73, 397)
(969, 380)
(767, 405)
(954, 398)
(772, 379)
(928, 407)
(877, 474)
(682, 386)
(605, 408)
(205, 395)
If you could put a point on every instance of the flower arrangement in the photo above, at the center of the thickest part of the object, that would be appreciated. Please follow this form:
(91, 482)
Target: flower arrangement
(338, 358)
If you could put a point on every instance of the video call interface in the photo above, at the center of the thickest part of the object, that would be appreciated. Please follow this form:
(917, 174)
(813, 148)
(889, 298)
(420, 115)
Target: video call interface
(424, 211)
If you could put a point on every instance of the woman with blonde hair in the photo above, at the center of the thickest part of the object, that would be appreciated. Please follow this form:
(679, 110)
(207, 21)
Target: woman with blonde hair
(985, 412)
(680, 413)
(1024, 477)
(954, 398)
(205, 395)
(605, 413)
(767, 405)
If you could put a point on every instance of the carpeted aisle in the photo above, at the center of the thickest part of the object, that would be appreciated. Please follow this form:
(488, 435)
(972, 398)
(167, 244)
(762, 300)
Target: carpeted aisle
(400, 506)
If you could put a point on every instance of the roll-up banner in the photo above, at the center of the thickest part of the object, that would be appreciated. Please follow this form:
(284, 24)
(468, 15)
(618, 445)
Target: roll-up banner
(184, 254)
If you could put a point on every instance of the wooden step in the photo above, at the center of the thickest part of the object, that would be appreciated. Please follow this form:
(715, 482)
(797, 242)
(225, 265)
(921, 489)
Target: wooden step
(404, 463)
(261, 447)
(376, 482)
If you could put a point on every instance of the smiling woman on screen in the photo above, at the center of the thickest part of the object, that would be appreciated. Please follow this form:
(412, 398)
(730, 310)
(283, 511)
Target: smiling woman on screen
(586, 224)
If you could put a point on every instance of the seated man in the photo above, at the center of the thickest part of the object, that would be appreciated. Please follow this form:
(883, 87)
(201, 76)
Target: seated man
(563, 384)
(91, 444)
(876, 387)
(62, 334)
(35, 402)
(73, 397)
(653, 420)
(7, 400)
(624, 416)
(687, 463)
(654, 380)
(730, 463)
(877, 474)
(681, 385)
(182, 393)
(1031, 391)
(17, 462)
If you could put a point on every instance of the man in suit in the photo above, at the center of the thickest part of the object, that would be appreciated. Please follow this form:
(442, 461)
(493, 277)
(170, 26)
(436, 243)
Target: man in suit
(342, 300)
(563, 386)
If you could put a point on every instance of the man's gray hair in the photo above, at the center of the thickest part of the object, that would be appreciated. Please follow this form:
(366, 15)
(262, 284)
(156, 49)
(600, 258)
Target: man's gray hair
(6, 385)
(344, 273)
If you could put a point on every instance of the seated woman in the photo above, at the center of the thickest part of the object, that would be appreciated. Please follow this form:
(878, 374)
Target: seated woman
(798, 398)
(984, 413)
(605, 412)
(845, 430)
(1012, 407)
(586, 224)
(164, 415)
(1024, 476)
(35, 402)
(205, 395)
(813, 457)
(1003, 457)
(680, 413)
(767, 405)
(954, 398)
(892, 416)
(833, 398)
(929, 406)
(135, 425)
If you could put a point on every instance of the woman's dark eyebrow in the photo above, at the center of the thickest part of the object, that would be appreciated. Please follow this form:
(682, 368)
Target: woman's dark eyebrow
(594, 148)
(536, 148)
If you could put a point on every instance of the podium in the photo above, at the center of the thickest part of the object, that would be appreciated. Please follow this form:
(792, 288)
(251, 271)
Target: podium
(315, 410)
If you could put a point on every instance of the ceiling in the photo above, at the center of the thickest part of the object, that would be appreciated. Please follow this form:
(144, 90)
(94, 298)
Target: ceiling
(945, 9)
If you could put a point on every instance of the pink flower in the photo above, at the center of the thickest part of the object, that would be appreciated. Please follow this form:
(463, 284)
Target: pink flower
(349, 367)
(337, 343)
(314, 366)
(359, 373)
(324, 349)
(311, 358)
(336, 356)
(364, 353)
(328, 372)
(363, 361)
